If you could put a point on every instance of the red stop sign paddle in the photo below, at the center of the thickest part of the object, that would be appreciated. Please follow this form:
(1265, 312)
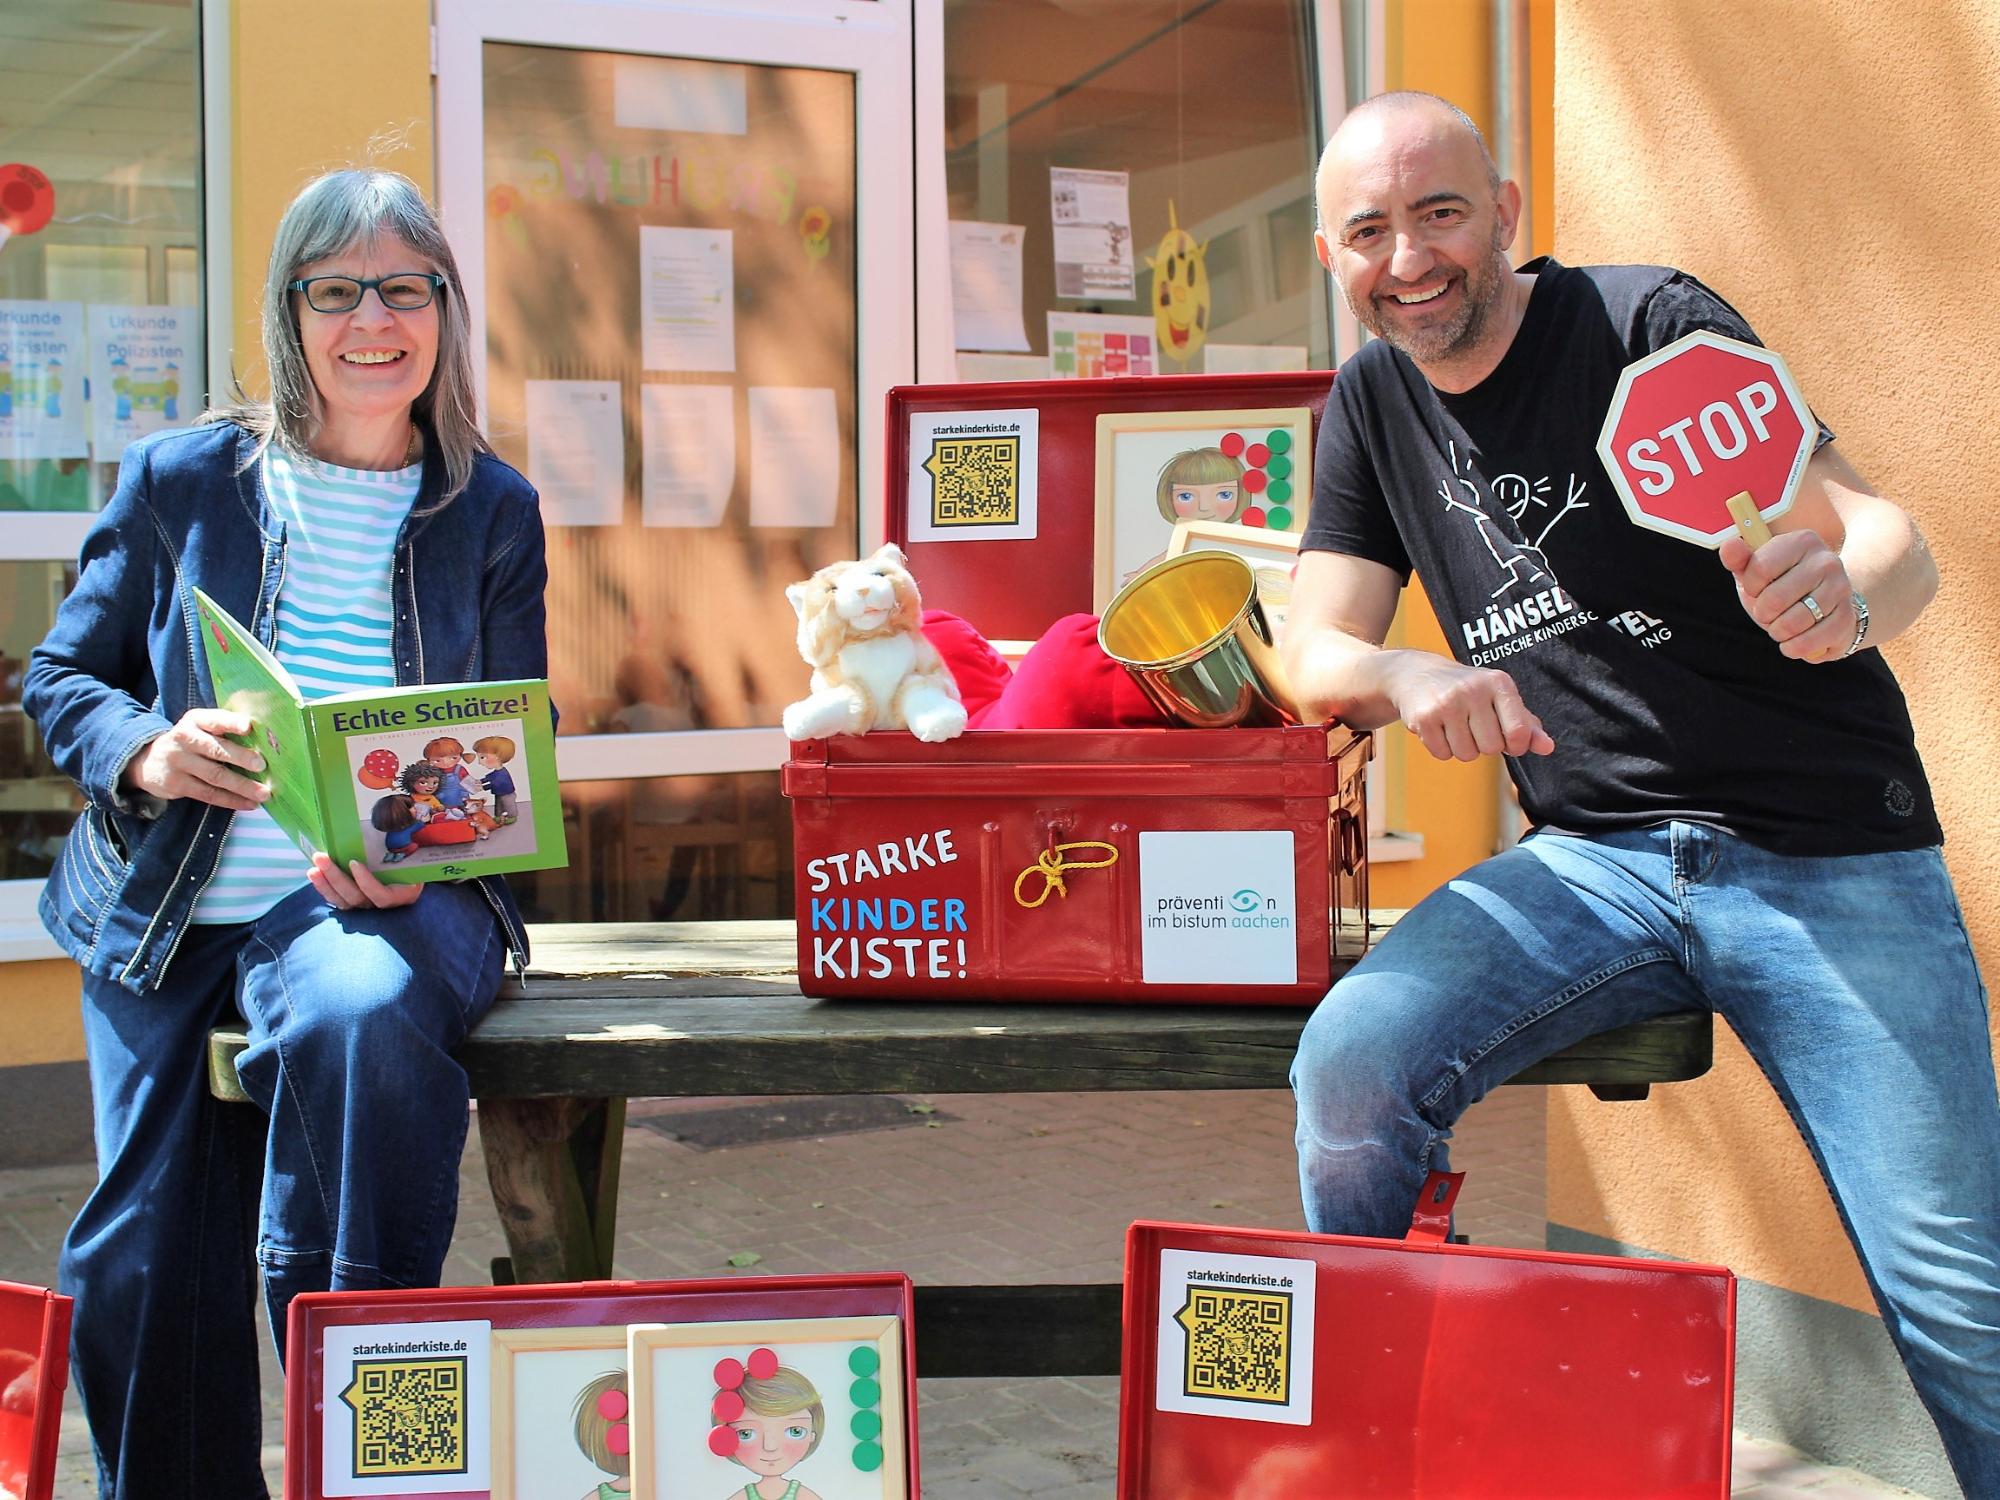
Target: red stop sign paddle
(1706, 436)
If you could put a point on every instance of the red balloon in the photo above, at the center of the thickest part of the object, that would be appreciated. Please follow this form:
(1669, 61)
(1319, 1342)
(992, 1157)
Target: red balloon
(27, 198)
(763, 1364)
(1231, 444)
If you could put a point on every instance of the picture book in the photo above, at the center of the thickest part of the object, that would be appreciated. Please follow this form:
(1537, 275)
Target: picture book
(432, 782)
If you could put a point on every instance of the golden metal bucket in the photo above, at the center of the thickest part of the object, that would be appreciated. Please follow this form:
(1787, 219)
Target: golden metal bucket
(1192, 634)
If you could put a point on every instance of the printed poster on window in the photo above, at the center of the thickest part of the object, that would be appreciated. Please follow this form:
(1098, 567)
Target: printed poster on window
(1090, 346)
(1092, 217)
(142, 373)
(986, 286)
(42, 370)
(687, 289)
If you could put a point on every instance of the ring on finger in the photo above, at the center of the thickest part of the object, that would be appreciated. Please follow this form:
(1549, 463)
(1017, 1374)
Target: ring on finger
(1813, 609)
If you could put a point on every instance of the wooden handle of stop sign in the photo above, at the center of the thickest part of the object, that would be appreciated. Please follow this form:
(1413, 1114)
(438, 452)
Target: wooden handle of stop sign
(1750, 526)
(1749, 521)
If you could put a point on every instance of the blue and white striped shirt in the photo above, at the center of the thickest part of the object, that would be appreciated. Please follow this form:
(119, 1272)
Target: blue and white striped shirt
(334, 635)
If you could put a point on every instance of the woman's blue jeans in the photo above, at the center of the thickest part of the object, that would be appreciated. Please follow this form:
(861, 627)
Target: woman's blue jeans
(354, 1149)
(1851, 982)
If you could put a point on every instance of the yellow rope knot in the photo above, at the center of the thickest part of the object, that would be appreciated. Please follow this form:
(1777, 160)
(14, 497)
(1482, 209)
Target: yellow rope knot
(1051, 866)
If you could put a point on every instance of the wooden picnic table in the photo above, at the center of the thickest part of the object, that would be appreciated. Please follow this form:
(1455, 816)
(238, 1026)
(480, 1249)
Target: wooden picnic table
(615, 1011)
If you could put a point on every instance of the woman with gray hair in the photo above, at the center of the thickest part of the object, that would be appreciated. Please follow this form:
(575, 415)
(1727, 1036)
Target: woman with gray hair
(361, 526)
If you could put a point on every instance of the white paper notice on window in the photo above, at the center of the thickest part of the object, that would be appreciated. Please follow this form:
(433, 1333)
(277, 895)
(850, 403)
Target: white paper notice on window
(680, 93)
(1218, 908)
(687, 457)
(43, 365)
(1235, 1337)
(687, 299)
(1092, 217)
(986, 287)
(576, 451)
(973, 475)
(1239, 359)
(794, 456)
(424, 1385)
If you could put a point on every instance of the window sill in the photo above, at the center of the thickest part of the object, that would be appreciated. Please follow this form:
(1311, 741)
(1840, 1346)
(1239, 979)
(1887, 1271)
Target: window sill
(1394, 848)
(24, 941)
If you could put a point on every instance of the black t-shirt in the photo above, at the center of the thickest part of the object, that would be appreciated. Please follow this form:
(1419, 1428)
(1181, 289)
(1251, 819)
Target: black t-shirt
(1664, 698)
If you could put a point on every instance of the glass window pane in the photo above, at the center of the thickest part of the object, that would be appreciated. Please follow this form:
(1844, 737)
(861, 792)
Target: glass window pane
(99, 98)
(37, 803)
(668, 848)
(1210, 110)
(679, 235)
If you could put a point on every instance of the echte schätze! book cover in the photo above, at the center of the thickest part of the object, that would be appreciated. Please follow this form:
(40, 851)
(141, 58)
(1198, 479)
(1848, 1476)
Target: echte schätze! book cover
(433, 782)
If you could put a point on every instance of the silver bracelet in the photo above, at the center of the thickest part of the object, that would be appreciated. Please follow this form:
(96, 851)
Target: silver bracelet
(1860, 626)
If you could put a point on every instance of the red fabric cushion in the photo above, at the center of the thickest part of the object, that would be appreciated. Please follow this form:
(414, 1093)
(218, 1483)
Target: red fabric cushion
(1067, 682)
(981, 673)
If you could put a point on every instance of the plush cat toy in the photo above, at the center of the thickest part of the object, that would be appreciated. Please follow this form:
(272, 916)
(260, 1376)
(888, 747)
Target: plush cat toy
(860, 629)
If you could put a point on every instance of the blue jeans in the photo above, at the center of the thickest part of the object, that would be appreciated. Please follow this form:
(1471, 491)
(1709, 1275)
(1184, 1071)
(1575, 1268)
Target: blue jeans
(1850, 981)
(354, 1147)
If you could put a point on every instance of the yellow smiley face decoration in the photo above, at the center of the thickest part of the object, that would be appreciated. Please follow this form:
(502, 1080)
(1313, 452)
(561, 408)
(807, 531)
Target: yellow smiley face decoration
(1180, 291)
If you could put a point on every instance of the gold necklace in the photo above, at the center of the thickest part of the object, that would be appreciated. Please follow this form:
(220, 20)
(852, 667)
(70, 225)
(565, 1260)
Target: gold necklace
(415, 450)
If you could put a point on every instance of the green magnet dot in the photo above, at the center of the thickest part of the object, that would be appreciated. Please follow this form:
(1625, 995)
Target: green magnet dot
(865, 1425)
(865, 1393)
(864, 1361)
(1279, 467)
(1278, 491)
(1280, 519)
(868, 1457)
(1279, 441)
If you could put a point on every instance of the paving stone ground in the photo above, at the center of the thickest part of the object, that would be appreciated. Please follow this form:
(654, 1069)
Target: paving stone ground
(989, 1188)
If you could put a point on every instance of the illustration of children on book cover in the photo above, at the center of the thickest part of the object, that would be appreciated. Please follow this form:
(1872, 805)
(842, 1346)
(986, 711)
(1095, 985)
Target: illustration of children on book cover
(443, 794)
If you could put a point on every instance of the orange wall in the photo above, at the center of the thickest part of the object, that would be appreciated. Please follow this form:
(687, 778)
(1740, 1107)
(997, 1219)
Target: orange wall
(1823, 164)
(358, 95)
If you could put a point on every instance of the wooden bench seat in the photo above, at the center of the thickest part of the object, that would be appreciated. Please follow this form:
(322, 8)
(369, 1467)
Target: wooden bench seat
(612, 1011)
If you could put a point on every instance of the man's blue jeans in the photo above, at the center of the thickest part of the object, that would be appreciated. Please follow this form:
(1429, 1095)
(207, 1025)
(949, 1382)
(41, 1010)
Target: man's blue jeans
(1850, 980)
(355, 1147)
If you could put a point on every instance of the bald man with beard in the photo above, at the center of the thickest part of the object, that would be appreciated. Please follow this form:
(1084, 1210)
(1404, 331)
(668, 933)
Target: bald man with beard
(1729, 811)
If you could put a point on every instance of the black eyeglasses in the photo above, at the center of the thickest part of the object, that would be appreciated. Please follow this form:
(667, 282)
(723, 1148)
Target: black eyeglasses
(406, 291)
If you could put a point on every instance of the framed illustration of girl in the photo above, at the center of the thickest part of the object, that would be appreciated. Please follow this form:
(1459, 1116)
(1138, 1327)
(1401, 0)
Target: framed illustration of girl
(781, 1409)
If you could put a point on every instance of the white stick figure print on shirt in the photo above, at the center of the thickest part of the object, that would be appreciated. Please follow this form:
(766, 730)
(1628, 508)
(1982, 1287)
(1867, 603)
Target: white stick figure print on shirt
(1516, 494)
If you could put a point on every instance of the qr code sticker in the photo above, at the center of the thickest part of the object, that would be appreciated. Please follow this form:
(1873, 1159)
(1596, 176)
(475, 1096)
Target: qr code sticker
(1239, 1345)
(978, 481)
(409, 1416)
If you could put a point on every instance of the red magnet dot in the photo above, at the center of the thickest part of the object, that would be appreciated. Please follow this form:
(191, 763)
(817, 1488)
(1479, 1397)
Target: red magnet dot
(728, 1373)
(612, 1406)
(1254, 481)
(1252, 517)
(1256, 455)
(1231, 444)
(763, 1364)
(728, 1406)
(722, 1441)
(618, 1439)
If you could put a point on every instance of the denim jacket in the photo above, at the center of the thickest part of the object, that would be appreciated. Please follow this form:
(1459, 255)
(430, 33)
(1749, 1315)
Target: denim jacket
(125, 661)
